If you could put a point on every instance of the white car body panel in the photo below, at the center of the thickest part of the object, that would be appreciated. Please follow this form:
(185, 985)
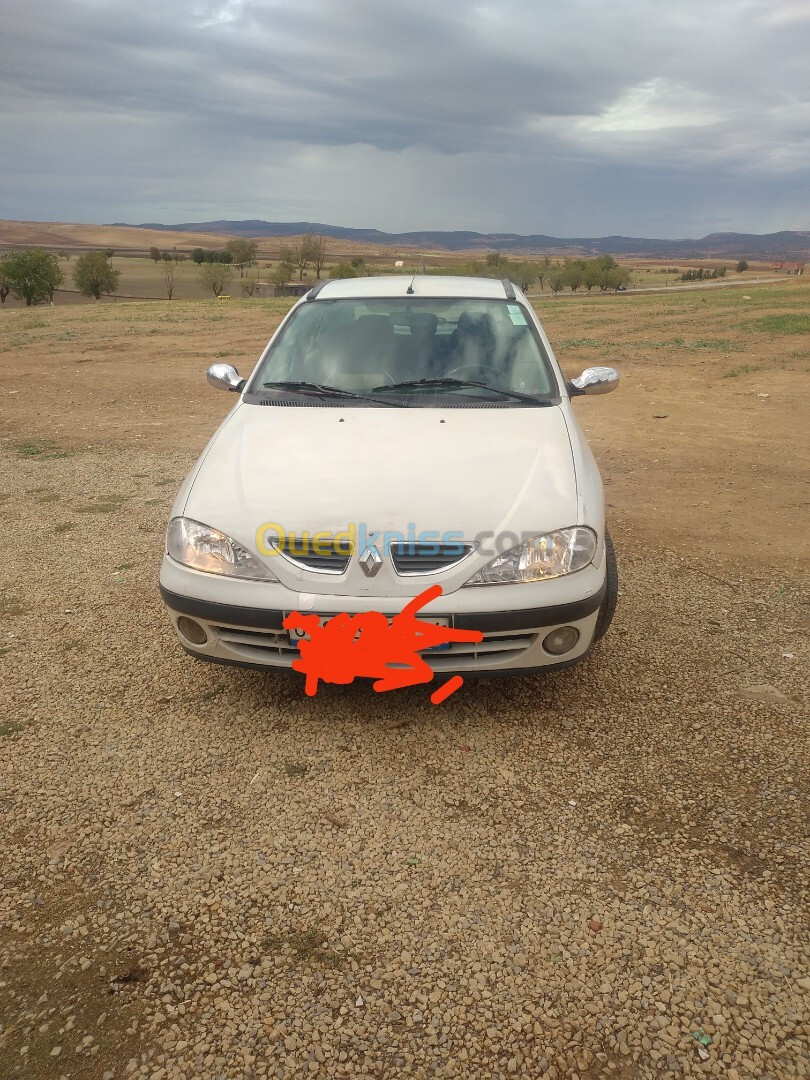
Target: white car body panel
(387, 469)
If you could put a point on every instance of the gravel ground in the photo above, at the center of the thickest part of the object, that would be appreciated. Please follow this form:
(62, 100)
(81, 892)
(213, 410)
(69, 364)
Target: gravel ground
(206, 874)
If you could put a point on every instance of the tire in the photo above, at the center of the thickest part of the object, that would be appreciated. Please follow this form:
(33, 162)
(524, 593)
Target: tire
(611, 591)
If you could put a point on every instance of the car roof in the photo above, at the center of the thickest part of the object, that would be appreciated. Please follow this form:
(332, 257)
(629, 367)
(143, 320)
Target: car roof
(416, 285)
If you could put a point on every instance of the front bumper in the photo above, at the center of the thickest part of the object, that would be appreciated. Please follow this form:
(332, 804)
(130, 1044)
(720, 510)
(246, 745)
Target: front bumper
(252, 636)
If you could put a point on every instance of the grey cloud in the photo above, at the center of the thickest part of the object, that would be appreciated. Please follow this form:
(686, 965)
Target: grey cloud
(536, 95)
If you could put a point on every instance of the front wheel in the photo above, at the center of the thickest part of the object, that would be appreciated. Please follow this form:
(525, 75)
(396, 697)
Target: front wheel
(611, 590)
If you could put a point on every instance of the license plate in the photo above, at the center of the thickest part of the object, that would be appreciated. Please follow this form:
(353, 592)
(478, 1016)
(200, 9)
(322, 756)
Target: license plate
(296, 635)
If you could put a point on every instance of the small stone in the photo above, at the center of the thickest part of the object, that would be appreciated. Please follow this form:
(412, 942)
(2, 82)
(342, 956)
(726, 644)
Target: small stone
(595, 925)
(57, 1050)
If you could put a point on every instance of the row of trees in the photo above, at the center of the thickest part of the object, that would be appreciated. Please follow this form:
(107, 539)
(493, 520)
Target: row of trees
(34, 275)
(239, 253)
(703, 274)
(603, 272)
(166, 256)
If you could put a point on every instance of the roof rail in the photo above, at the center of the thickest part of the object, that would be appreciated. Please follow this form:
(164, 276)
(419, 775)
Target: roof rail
(508, 288)
(313, 292)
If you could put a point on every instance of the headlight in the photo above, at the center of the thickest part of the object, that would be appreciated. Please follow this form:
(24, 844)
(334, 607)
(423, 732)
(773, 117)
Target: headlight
(542, 557)
(206, 549)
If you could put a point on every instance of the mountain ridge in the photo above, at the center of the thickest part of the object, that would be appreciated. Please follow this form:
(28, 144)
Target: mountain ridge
(786, 244)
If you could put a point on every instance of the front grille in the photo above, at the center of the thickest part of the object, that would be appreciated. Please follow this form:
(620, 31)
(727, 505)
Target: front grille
(413, 558)
(332, 556)
(258, 646)
(274, 647)
(469, 655)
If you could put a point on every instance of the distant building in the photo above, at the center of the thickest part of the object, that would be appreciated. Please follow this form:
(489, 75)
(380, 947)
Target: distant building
(295, 288)
(788, 268)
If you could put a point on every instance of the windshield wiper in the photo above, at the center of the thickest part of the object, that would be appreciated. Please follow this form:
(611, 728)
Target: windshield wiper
(460, 384)
(322, 390)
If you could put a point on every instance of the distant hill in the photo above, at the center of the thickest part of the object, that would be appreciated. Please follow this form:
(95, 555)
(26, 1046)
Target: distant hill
(784, 245)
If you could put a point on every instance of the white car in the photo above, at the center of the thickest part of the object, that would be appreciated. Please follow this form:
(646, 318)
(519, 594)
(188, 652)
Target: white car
(398, 433)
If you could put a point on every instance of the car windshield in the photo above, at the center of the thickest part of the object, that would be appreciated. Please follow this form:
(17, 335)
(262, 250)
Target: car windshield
(412, 348)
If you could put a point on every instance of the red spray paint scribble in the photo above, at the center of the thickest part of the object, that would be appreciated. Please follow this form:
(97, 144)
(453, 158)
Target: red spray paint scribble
(364, 646)
(446, 689)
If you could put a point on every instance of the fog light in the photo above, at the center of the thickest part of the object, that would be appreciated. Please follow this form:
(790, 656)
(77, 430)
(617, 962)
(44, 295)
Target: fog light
(192, 631)
(561, 640)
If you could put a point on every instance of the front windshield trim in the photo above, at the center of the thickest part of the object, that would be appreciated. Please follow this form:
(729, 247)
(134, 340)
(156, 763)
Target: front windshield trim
(520, 314)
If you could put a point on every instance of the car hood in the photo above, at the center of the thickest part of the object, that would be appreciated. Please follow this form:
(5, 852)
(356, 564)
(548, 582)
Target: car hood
(460, 470)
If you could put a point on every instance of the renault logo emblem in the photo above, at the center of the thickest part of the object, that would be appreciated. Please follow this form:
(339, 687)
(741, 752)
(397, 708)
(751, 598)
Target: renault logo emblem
(370, 561)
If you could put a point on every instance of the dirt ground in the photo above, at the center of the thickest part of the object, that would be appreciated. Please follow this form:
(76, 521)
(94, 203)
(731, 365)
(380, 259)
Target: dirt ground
(598, 873)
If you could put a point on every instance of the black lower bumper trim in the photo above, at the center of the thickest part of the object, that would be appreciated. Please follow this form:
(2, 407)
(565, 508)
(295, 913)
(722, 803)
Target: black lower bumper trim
(486, 621)
(230, 614)
(493, 622)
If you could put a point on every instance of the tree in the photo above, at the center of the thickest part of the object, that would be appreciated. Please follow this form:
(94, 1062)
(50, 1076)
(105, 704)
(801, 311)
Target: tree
(216, 276)
(5, 280)
(109, 252)
(574, 273)
(319, 254)
(285, 269)
(542, 270)
(303, 254)
(523, 274)
(154, 254)
(33, 275)
(343, 270)
(742, 266)
(614, 277)
(556, 279)
(593, 274)
(198, 255)
(93, 275)
(168, 271)
(495, 261)
(243, 253)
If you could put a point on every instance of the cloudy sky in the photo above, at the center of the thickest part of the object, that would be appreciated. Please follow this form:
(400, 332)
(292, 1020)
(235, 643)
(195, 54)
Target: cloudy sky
(571, 117)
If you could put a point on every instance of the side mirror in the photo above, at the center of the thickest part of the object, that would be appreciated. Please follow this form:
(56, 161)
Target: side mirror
(225, 377)
(594, 380)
